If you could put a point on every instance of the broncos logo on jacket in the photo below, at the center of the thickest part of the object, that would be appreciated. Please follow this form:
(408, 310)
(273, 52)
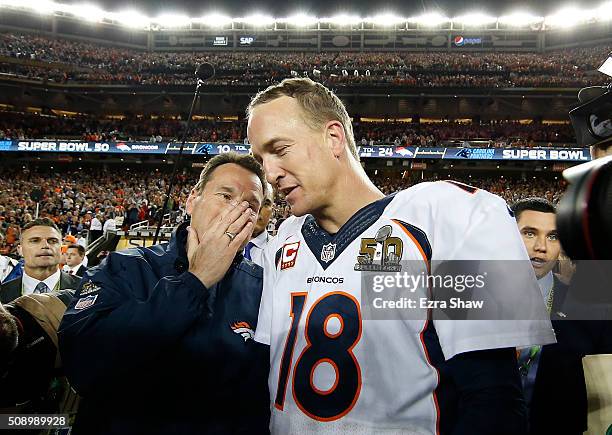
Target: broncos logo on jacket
(244, 329)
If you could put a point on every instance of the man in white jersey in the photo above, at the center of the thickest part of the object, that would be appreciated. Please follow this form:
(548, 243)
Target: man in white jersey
(332, 369)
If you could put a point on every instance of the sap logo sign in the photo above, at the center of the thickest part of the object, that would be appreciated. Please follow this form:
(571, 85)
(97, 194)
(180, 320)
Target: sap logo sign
(246, 40)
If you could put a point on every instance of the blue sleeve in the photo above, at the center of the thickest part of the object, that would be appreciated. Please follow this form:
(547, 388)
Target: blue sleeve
(124, 317)
(490, 396)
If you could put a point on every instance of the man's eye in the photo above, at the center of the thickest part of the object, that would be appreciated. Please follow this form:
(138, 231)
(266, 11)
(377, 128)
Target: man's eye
(226, 196)
(529, 234)
(553, 237)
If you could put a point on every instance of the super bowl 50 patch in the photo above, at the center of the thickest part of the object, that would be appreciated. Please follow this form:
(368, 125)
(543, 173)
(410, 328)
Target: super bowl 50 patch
(381, 253)
(88, 288)
(85, 302)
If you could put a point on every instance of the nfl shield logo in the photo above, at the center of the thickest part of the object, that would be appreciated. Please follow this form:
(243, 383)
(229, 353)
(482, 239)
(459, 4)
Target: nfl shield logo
(329, 252)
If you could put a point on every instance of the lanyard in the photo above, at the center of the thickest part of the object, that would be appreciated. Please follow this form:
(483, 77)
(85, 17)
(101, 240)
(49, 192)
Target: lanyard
(534, 351)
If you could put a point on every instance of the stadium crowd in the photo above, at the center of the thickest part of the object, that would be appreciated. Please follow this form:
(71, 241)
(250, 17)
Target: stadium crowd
(65, 61)
(74, 198)
(500, 133)
(511, 189)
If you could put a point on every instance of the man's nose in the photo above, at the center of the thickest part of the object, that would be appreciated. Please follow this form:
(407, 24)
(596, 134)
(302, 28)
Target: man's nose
(540, 244)
(273, 171)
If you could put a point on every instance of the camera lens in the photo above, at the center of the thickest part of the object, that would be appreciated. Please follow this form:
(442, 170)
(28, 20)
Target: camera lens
(584, 215)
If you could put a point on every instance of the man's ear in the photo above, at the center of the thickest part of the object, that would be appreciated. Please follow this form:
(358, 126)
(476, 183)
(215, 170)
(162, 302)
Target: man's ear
(335, 137)
(189, 204)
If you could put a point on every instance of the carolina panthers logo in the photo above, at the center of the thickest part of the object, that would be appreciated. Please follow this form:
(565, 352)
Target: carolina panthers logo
(244, 329)
(465, 153)
(203, 149)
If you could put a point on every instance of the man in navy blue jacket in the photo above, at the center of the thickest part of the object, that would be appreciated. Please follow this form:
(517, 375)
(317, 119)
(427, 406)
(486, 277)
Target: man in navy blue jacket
(159, 340)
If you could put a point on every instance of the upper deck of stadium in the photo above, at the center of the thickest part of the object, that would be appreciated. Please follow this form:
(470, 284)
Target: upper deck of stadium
(83, 59)
(433, 31)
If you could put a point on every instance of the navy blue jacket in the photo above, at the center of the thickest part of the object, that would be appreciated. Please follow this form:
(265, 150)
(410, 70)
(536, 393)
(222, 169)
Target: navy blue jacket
(152, 350)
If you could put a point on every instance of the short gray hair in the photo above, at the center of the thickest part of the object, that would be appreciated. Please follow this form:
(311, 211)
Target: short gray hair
(245, 161)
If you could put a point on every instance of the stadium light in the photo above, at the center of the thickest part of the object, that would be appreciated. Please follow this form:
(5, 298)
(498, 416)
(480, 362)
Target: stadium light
(259, 20)
(519, 19)
(385, 19)
(60, 7)
(131, 18)
(567, 17)
(564, 18)
(40, 6)
(343, 19)
(173, 20)
(604, 12)
(87, 12)
(430, 19)
(475, 19)
(215, 20)
(301, 20)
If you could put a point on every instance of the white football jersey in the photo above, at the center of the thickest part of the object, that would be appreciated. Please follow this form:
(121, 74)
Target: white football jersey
(332, 371)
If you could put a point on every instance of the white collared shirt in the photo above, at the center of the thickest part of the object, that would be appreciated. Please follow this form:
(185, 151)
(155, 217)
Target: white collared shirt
(259, 243)
(29, 283)
(546, 284)
(74, 269)
(6, 266)
(95, 224)
(110, 225)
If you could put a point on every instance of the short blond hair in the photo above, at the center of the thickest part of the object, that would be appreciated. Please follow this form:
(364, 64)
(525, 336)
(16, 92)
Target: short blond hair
(319, 104)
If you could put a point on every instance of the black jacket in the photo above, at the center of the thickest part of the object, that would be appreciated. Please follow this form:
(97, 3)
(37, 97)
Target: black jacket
(11, 290)
(559, 402)
(81, 271)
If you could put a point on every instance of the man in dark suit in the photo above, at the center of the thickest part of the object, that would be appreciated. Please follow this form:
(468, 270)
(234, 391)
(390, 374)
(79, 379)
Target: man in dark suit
(75, 258)
(40, 246)
(552, 375)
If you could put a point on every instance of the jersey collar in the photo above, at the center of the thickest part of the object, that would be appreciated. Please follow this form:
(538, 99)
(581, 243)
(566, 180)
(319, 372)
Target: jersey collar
(317, 238)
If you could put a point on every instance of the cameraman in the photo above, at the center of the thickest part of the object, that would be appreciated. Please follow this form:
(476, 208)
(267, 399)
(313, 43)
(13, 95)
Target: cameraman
(583, 223)
(31, 379)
